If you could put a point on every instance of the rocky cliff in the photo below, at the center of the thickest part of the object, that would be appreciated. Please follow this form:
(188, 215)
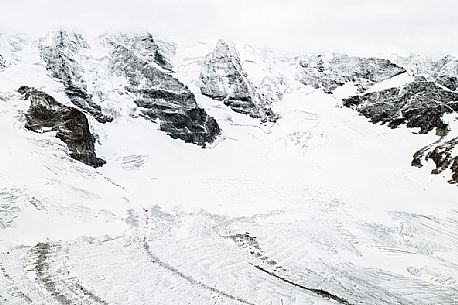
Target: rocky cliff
(421, 104)
(160, 96)
(2, 62)
(60, 53)
(224, 79)
(441, 153)
(70, 124)
(328, 72)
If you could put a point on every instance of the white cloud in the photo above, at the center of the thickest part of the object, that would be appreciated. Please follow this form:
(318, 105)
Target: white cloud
(362, 26)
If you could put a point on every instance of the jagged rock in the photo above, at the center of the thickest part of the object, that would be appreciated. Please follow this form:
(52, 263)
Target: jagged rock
(420, 104)
(441, 69)
(450, 82)
(2, 63)
(454, 169)
(440, 153)
(147, 48)
(62, 62)
(159, 95)
(70, 124)
(417, 104)
(223, 78)
(330, 72)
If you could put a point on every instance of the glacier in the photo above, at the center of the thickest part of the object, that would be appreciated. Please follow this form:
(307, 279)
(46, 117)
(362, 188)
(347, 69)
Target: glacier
(233, 175)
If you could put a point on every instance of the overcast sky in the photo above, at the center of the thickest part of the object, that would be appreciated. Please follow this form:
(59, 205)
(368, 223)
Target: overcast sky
(357, 26)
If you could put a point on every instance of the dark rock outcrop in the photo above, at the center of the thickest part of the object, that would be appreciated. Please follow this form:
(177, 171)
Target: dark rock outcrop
(2, 63)
(450, 82)
(454, 169)
(441, 154)
(223, 78)
(161, 97)
(70, 124)
(62, 62)
(419, 104)
(330, 72)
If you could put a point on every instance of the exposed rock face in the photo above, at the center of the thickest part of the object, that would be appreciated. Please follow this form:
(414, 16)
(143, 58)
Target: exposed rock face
(161, 97)
(441, 154)
(223, 78)
(2, 63)
(70, 124)
(330, 72)
(443, 70)
(417, 104)
(147, 48)
(62, 62)
(420, 104)
(454, 169)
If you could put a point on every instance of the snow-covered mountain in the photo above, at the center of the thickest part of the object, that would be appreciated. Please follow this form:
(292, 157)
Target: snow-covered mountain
(140, 171)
